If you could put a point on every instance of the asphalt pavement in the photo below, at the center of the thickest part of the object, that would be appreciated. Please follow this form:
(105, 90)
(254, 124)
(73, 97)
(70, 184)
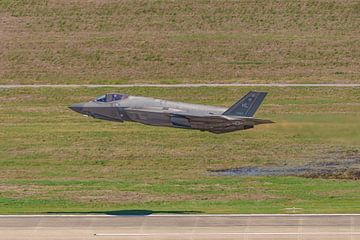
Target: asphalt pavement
(99, 227)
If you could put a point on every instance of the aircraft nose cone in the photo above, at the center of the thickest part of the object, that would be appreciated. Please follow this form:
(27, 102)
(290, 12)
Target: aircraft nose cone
(77, 107)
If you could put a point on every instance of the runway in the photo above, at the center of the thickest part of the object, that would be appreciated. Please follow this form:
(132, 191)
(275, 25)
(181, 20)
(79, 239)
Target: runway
(182, 85)
(99, 227)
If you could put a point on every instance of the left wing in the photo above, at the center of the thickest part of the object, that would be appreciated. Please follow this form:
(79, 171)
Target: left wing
(221, 123)
(178, 118)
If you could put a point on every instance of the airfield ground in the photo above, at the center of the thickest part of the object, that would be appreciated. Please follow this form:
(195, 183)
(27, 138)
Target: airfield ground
(74, 41)
(171, 226)
(54, 160)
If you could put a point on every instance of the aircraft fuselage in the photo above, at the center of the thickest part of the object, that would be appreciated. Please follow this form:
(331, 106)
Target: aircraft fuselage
(158, 112)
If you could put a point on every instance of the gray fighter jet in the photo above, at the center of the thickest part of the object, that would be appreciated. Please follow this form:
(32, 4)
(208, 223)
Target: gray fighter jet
(157, 112)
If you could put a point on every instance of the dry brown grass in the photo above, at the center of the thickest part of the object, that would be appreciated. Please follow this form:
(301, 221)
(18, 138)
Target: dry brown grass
(179, 41)
(19, 191)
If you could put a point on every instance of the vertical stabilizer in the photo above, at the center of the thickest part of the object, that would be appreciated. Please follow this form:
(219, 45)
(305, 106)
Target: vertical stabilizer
(247, 105)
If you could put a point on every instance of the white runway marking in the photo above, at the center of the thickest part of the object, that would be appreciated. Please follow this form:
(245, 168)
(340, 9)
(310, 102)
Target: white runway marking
(183, 85)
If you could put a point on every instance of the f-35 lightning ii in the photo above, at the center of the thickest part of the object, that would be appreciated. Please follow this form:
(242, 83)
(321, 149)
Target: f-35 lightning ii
(157, 112)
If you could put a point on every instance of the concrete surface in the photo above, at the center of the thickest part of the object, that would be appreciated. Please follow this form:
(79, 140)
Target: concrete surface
(107, 227)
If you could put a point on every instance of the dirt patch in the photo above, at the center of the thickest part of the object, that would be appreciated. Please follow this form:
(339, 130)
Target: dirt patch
(344, 169)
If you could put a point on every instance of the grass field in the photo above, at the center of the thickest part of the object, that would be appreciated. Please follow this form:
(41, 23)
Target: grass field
(54, 160)
(74, 41)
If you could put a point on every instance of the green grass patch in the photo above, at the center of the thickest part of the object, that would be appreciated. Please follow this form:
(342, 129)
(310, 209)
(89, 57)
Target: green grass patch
(54, 160)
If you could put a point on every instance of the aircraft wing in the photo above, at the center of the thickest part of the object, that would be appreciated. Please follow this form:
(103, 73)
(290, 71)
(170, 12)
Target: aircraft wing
(221, 120)
(213, 123)
(178, 113)
(218, 123)
(198, 118)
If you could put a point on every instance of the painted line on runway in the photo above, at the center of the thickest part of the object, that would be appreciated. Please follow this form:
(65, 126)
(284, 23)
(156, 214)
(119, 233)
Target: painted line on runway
(222, 233)
(182, 85)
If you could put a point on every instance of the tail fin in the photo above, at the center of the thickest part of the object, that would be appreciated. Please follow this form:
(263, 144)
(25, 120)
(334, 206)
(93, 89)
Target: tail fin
(247, 105)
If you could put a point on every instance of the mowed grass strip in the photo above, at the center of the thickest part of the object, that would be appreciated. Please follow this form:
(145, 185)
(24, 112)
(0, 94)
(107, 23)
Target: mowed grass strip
(80, 41)
(55, 160)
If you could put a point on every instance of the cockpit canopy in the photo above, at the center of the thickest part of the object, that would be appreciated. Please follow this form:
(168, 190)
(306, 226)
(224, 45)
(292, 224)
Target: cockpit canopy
(110, 97)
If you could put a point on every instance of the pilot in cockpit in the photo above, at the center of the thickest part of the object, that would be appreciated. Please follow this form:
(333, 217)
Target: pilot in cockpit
(110, 97)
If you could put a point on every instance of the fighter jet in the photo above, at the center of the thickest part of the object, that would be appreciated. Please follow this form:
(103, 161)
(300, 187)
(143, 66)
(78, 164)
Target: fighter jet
(122, 107)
